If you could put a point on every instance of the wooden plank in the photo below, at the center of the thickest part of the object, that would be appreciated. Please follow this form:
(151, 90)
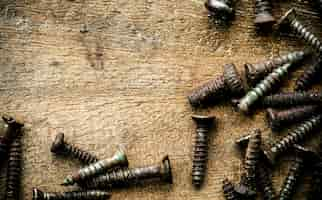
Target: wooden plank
(112, 73)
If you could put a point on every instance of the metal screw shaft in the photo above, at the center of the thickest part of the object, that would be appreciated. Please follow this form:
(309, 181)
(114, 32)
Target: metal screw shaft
(10, 129)
(263, 12)
(281, 119)
(60, 146)
(229, 190)
(100, 167)
(220, 8)
(264, 178)
(290, 20)
(310, 76)
(14, 170)
(123, 177)
(256, 72)
(229, 84)
(200, 157)
(75, 195)
(298, 134)
(283, 100)
(253, 154)
(291, 180)
(261, 89)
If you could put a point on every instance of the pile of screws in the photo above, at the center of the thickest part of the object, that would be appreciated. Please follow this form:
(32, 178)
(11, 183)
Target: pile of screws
(300, 111)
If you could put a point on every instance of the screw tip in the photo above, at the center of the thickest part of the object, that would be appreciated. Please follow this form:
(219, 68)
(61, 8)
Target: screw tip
(166, 170)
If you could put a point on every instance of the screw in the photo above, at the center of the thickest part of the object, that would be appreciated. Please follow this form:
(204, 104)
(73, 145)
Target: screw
(263, 176)
(11, 128)
(289, 19)
(84, 195)
(220, 8)
(265, 86)
(60, 146)
(204, 125)
(124, 176)
(100, 167)
(310, 76)
(14, 169)
(229, 83)
(253, 154)
(283, 100)
(303, 155)
(296, 135)
(263, 12)
(280, 119)
(256, 72)
(229, 190)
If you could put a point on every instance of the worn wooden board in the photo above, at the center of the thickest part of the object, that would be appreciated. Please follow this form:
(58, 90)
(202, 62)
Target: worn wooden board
(112, 73)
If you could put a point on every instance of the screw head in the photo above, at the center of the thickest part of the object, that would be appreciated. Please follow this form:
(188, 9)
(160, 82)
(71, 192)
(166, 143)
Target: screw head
(219, 8)
(307, 154)
(58, 144)
(37, 194)
(203, 119)
(286, 18)
(166, 172)
(264, 20)
(233, 80)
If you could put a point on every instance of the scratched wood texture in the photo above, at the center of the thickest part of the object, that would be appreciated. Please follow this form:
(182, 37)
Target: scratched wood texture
(112, 73)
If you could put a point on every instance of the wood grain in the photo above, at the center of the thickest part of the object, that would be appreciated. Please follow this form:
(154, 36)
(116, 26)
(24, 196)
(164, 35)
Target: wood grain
(112, 73)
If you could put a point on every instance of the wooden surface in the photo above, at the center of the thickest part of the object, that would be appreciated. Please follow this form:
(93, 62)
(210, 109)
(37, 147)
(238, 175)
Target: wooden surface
(112, 73)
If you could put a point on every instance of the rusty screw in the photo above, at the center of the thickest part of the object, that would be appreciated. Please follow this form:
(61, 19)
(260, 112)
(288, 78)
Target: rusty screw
(220, 8)
(283, 100)
(289, 20)
(77, 195)
(60, 146)
(303, 155)
(10, 129)
(253, 154)
(310, 76)
(229, 83)
(256, 72)
(261, 89)
(229, 190)
(263, 12)
(281, 119)
(298, 134)
(204, 125)
(124, 176)
(14, 169)
(95, 169)
(263, 175)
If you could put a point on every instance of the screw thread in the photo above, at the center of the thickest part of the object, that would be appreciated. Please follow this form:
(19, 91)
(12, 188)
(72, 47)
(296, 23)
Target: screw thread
(263, 7)
(297, 135)
(14, 170)
(258, 71)
(306, 35)
(210, 91)
(97, 168)
(74, 195)
(292, 99)
(265, 182)
(310, 76)
(123, 177)
(291, 179)
(233, 80)
(281, 119)
(253, 154)
(229, 191)
(80, 154)
(199, 163)
(264, 87)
